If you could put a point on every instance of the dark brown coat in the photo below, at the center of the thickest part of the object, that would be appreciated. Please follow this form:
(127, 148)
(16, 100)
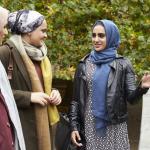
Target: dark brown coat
(21, 87)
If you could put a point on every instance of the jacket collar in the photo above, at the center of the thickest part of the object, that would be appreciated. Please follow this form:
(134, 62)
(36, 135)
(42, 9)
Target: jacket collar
(113, 65)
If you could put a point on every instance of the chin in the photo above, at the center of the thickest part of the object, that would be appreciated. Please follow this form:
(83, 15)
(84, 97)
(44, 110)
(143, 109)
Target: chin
(98, 50)
(38, 45)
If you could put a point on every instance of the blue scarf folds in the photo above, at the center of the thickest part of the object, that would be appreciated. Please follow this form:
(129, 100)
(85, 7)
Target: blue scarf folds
(102, 59)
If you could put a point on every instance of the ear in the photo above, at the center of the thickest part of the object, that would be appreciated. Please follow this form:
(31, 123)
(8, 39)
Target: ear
(29, 34)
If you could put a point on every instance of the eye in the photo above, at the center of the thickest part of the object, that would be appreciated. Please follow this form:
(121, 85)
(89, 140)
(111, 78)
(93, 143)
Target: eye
(101, 35)
(44, 30)
(6, 26)
(93, 35)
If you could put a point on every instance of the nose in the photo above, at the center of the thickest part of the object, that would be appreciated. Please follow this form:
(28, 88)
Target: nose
(96, 39)
(45, 35)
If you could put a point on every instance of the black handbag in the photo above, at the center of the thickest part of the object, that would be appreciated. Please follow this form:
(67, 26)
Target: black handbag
(63, 133)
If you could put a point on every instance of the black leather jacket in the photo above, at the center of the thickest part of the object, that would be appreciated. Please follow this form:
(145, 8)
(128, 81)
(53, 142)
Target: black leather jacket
(120, 89)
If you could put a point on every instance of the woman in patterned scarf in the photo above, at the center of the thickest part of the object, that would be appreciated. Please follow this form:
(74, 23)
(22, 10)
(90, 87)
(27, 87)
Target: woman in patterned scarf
(104, 82)
(31, 77)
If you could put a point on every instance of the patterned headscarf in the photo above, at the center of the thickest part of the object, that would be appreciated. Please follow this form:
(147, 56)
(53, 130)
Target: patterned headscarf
(24, 21)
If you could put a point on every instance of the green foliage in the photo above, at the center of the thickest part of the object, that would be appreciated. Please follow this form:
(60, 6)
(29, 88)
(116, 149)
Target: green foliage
(70, 23)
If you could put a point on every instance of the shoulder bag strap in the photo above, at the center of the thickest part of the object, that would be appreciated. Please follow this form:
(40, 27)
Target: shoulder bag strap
(10, 65)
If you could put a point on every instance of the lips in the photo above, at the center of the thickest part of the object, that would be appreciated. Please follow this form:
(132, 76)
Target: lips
(97, 45)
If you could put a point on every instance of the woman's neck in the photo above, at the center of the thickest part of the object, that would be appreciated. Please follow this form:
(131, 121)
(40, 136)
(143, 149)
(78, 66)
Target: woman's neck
(26, 38)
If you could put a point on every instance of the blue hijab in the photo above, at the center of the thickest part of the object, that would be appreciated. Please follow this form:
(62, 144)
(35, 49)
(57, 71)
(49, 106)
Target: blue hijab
(102, 59)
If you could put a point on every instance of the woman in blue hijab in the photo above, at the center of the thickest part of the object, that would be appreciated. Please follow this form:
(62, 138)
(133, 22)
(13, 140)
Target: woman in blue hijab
(103, 84)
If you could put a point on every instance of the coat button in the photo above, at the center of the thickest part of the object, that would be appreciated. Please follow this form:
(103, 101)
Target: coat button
(8, 124)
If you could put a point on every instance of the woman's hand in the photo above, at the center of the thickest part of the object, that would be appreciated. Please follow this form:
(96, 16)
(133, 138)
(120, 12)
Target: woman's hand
(75, 137)
(55, 97)
(40, 98)
(145, 81)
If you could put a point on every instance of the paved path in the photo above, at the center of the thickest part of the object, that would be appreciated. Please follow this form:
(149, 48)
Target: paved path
(145, 124)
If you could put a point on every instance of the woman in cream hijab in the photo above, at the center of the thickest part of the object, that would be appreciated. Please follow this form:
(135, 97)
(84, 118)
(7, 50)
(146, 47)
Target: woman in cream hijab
(3, 22)
(32, 78)
(11, 137)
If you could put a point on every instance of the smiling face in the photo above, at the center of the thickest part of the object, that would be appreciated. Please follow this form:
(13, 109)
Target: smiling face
(37, 37)
(99, 38)
(3, 23)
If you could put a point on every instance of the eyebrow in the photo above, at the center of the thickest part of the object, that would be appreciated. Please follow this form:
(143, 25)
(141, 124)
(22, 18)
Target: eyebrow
(44, 30)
